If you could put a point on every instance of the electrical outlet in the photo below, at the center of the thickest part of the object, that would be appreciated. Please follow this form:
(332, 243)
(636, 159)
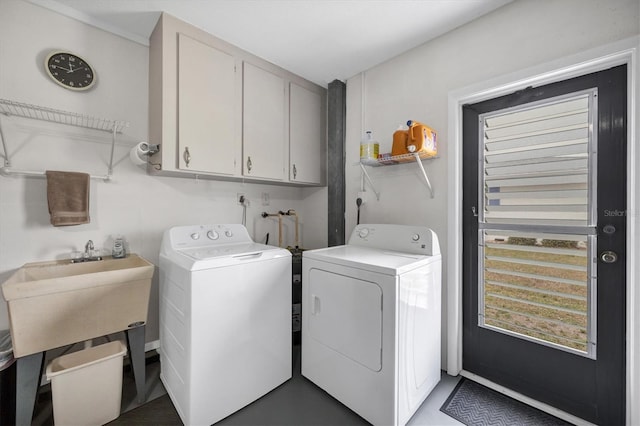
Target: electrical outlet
(241, 198)
(265, 198)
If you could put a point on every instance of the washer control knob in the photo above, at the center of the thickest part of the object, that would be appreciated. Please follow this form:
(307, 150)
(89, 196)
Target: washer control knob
(415, 237)
(228, 233)
(213, 235)
(363, 233)
(195, 236)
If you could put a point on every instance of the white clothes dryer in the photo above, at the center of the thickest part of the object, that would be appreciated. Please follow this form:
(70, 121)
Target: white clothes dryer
(225, 320)
(371, 320)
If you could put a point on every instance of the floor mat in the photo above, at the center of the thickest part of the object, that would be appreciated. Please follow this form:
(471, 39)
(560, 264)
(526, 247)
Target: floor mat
(477, 405)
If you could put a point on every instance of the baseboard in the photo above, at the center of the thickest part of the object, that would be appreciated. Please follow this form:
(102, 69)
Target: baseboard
(150, 346)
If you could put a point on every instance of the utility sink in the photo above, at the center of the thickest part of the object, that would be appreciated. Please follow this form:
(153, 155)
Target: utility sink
(57, 303)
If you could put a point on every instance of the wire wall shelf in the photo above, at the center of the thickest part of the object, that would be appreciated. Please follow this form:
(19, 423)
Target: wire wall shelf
(37, 112)
(398, 159)
(19, 109)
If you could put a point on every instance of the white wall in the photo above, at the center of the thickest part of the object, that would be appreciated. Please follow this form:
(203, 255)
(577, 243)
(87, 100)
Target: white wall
(416, 85)
(138, 206)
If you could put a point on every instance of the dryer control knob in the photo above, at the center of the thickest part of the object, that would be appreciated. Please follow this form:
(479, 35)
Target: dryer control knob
(363, 233)
(213, 235)
(228, 233)
(415, 237)
(195, 236)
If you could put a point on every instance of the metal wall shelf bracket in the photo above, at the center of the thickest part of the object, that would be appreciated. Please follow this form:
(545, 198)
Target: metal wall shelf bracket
(366, 175)
(390, 161)
(424, 173)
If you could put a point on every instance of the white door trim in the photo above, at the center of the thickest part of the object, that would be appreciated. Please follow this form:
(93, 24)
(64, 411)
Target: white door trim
(619, 53)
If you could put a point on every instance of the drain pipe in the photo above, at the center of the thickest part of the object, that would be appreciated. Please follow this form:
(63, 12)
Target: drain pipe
(279, 215)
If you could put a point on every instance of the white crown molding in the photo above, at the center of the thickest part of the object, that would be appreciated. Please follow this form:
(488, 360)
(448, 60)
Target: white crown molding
(72, 13)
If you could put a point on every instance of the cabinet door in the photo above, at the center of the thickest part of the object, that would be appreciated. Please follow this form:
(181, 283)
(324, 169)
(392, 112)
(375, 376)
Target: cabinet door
(207, 101)
(306, 135)
(263, 124)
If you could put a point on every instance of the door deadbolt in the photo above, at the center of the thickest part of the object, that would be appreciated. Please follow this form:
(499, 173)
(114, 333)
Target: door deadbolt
(609, 256)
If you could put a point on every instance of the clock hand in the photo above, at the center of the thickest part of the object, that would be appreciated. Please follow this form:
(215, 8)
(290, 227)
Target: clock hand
(77, 69)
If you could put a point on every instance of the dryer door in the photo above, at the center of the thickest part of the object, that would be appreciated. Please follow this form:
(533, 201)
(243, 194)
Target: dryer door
(345, 314)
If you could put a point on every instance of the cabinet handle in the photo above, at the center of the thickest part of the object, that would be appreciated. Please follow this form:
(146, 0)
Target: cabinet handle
(186, 156)
(295, 171)
(249, 164)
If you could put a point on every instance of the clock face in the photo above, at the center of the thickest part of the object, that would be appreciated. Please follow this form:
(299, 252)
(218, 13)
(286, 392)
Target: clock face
(69, 71)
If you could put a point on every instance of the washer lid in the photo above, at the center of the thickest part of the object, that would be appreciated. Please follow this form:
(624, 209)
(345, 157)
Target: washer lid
(226, 250)
(376, 260)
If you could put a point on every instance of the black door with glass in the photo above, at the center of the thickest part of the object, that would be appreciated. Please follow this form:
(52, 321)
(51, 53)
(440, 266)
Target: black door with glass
(544, 237)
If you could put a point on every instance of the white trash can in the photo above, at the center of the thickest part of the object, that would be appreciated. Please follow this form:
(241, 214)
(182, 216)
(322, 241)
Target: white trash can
(86, 386)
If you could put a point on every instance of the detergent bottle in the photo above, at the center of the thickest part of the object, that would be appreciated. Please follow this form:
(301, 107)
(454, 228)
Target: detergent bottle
(369, 149)
(400, 137)
(421, 139)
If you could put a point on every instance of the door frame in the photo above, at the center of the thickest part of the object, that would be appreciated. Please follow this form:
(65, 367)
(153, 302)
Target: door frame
(619, 53)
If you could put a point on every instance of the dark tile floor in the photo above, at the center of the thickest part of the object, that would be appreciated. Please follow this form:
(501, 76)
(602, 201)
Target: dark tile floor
(296, 402)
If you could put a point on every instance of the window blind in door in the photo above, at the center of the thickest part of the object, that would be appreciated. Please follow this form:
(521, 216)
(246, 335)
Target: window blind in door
(535, 164)
(537, 176)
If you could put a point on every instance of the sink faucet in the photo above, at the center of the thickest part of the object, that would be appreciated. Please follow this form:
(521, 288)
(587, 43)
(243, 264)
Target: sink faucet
(87, 247)
(88, 255)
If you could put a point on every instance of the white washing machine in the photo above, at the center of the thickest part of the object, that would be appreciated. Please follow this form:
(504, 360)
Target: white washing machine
(225, 320)
(371, 320)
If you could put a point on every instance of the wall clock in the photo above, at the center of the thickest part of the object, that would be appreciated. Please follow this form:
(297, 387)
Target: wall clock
(69, 70)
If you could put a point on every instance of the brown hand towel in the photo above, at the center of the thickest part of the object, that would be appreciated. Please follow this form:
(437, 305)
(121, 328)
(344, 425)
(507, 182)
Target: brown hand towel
(68, 197)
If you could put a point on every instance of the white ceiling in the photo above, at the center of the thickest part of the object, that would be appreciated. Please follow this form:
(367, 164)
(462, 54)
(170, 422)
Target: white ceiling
(321, 40)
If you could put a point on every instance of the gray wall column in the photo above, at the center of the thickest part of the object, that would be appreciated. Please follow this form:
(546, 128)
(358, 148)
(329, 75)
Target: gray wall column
(336, 125)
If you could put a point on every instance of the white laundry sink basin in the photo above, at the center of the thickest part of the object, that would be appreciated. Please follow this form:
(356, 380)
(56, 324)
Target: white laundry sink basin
(58, 303)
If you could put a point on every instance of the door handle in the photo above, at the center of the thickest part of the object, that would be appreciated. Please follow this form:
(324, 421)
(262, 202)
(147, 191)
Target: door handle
(609, 256)
(315, 304)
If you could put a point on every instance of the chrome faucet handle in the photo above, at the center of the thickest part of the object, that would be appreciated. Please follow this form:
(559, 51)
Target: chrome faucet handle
(89, 254)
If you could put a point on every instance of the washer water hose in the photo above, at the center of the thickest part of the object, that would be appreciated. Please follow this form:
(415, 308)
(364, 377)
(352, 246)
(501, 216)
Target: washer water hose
(293, 213)
(358, 203)
(279, 215)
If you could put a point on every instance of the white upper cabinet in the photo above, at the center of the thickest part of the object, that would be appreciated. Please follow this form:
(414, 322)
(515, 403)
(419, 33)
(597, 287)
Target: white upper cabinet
(219, 112)
(307, 135)
(206, 108)
(263, 124)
